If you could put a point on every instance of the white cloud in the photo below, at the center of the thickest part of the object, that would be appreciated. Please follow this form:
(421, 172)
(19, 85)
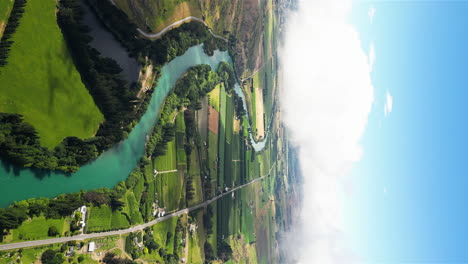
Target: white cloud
(371, 56)
(371, 14)
(327, 96)
(388, 107)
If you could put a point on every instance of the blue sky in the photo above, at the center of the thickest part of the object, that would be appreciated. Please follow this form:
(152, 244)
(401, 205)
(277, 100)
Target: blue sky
(409, 200)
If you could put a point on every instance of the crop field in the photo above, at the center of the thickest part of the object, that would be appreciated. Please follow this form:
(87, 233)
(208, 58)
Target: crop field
(132, 208)
(222, 138)
(247, 220)
(195, 174)
(228, 173)
(180, 135)
(41, 82)
(202, 120)
(99, 218)
(229, 118)
(169, 160)
(170, 190)
(214, 96)
(212, 157)
(213, 120)
(159, 14)
(5, 9)
(236, 158)
(37, 228)
(102, 219)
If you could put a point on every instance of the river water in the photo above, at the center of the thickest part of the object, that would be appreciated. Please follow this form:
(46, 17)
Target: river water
(109, 46)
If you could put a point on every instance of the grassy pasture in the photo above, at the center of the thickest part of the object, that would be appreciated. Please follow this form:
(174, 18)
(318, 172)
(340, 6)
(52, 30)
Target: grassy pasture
(139, 188)
(195, 174)
(222, 137)
(214, 96)
(170, 188)
(37, 228)
(160, 233)
(5, 9)
(133, 209)
(212, 155)
(168, 161)
(41, 82)
(102, 219)
(99, 218)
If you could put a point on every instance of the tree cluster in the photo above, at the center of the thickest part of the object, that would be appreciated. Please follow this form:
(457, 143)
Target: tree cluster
(10, 28)
(227, 75)
(111, 258)
(51, 256)
(20, 145)
(224, 250)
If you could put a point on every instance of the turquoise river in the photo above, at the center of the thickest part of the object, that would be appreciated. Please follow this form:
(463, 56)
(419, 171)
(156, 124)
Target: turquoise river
(114, 165)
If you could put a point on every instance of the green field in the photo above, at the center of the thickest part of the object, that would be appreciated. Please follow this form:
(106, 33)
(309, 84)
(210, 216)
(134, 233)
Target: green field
(221, 138)
(41, 82)
(102, 219)
(195, 174)
(180, 140)
(168, 161)
(214, 96)
(37, 228)
(132, 207)
(170, 190)
(160, 233)
(5, 9)
(197, 241)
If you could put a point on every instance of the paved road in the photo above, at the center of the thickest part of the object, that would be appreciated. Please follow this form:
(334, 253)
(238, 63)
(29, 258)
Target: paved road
(123, 231)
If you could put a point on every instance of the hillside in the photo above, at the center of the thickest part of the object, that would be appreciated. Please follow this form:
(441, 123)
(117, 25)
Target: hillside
(240, 21)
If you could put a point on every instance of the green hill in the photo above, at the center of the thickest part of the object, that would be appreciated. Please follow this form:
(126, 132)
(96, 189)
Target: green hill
(41, 82)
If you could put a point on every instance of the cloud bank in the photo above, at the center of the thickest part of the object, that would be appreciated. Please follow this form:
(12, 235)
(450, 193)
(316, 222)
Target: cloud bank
(326, 99)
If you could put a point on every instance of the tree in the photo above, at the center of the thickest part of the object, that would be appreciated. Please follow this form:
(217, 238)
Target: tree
(52, 257)
(52, 231)
(80, 259)
(224, 251)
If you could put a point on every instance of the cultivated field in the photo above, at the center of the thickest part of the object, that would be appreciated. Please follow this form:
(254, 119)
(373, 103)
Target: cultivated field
(41, 82)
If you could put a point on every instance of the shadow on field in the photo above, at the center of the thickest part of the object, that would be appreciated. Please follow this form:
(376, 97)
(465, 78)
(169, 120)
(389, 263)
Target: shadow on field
(54, 82)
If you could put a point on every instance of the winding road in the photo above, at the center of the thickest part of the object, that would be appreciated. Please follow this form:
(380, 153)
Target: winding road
(178, 23)
(175, 24)
(49, 241)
